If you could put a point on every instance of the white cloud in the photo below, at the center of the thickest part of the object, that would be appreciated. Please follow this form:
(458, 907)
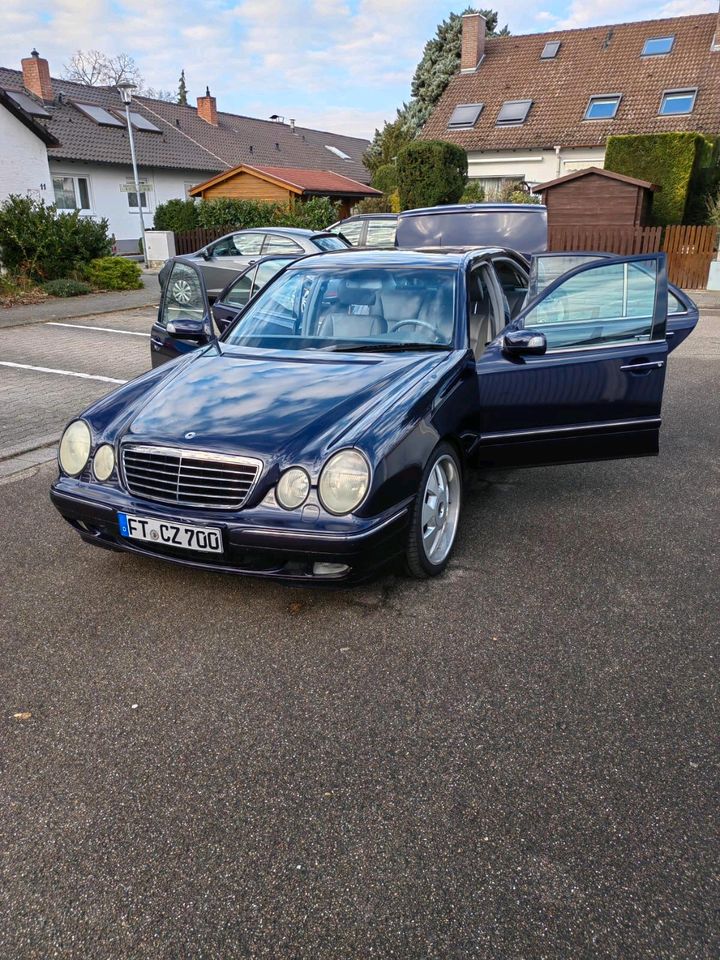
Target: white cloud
(582, 14)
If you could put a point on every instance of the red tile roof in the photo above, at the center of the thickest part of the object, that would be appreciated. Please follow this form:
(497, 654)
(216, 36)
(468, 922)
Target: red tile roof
(590, 62)
(302, 179)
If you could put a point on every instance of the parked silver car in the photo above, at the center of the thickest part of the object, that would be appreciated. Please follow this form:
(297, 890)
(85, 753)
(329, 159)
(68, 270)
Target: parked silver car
(222, 259)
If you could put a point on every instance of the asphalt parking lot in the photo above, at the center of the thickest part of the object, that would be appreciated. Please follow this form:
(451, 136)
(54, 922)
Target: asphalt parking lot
(518, 759)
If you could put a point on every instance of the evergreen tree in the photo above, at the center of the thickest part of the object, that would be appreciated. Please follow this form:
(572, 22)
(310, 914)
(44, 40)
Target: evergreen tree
(182, 90)
(439, 62)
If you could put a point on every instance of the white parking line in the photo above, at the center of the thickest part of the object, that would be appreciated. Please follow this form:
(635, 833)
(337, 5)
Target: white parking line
(62, 373)
(83, 326)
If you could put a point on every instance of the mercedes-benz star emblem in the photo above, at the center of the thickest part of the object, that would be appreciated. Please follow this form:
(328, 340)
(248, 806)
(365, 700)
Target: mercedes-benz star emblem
(189, 436)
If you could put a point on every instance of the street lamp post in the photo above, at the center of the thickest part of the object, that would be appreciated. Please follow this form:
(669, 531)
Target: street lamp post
(126, 90)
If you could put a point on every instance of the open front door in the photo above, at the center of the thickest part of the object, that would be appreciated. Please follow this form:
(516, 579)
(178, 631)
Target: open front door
(589, 385)
(183, 299)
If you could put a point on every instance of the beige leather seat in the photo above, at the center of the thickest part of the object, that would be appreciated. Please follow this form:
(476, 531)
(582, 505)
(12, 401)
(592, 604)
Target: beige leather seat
(356, 314)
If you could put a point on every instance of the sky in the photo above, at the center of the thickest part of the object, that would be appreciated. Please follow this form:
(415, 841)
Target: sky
(339, 65)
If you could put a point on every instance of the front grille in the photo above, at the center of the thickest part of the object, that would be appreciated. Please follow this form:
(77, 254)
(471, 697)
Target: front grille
(190, 477)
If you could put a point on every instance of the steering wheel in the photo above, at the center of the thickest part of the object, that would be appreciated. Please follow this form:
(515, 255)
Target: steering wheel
(415, 323)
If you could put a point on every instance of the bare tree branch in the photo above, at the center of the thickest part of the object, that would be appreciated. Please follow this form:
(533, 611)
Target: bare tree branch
(97, 69)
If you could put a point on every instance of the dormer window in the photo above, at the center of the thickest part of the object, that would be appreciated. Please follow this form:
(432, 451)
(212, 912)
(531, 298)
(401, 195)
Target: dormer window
(657, 46)
(602, 108)
(513, 113)
(465, 116)
(550, 50)
(676, 102)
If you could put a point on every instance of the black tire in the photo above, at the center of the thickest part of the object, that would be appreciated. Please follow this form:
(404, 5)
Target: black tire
(417, 563)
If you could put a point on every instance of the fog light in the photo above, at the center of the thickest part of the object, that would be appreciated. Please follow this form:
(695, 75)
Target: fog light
(329, 569)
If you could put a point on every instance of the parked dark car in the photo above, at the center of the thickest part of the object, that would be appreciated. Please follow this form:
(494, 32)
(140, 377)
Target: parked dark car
(324, 436)
(224, 258)
(184, 296)
(519, 226)
(368, 229)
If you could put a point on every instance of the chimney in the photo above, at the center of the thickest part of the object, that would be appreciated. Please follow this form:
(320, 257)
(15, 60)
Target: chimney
(715, 45)
(36, 76)
(207, 108)
(473, 42)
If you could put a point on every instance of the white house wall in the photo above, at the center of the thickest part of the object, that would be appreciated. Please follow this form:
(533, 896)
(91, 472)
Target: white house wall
(109, 201)
(23, 160)
(534, 166)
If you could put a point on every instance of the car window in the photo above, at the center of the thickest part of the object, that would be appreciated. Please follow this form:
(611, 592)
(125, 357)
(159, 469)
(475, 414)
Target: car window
(612, 303)
(675, 304)
(356, 307)
(239, 293)
(266, 271)
(183, 295)
(351, 230)
(514, 283)
(545, 269)
(380, 233)
(329, 243)
(274, 243)
(238, 244)
(484, 320)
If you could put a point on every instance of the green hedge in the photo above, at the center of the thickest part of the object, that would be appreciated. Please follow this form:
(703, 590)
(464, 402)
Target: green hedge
(176, 215)
(39, 242)
(114, 273)
(314, 214)
(430, 172)
(679, 163)
(385, 178)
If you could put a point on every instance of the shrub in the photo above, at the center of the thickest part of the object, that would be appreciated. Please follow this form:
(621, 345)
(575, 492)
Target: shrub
(675, 161)
(374, 205)
(317, 213)
(40, 243)
(385, 178)
(66, 288)
(15, 290)
(226, 212)
(430, 172)
(176, 215)
(114, 273)
(473, 193)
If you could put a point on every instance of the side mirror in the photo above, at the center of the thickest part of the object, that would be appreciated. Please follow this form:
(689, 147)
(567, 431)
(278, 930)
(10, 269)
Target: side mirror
(186, 328)
(524, 343)
(206, 254)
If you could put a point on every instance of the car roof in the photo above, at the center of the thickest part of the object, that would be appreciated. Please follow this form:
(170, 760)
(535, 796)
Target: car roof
(472, 208)
(283, 231)
(356, 257)
(370, 216)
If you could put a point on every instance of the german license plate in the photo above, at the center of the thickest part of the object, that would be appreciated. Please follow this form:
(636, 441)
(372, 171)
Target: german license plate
(183, 535)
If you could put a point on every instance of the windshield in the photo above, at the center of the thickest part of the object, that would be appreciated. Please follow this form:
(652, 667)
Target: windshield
(352, 308)
(331, 243)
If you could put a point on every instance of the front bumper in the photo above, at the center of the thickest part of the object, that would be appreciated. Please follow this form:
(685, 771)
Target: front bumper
(259, 541)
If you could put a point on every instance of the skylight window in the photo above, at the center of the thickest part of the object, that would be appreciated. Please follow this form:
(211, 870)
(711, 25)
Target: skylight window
(656, 46)
(141, 123)
(602, 108)
(677, 101)
(99, 115)
(338, 152)
(465, 116)
(550, 50)
(27, 103)
(513, 112)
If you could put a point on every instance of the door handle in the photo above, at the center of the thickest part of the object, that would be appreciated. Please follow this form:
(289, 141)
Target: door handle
(156, 343)
(649, 365)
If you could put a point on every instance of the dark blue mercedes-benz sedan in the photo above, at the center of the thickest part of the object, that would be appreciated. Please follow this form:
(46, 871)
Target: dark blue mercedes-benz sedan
(326, 433)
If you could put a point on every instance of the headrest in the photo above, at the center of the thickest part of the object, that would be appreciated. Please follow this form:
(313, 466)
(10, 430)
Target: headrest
(355, 295)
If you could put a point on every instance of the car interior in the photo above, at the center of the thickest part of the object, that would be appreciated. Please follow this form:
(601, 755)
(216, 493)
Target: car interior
(485, 314)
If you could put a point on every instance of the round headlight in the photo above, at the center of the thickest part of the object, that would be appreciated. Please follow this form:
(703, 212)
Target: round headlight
(293, 488)
(104, 461)
(75, 447)
(344, 481)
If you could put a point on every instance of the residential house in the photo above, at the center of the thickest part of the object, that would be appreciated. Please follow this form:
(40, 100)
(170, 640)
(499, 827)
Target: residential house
(88, 150)
(539, 106)
(284, 184)
(24, 168)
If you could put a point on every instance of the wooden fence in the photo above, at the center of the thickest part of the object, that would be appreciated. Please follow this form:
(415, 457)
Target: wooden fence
(188, 241)
(690, 249)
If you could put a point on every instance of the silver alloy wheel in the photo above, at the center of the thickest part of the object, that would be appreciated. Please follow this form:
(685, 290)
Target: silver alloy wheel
(182, 291)
(440, 510)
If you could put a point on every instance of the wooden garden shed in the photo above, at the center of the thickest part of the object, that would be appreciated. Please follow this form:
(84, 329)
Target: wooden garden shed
(283, 184)
(593, 197)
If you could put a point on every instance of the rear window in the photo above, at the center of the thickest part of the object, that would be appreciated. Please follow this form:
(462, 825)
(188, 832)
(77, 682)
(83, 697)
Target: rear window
(522, 228)
(328, 242)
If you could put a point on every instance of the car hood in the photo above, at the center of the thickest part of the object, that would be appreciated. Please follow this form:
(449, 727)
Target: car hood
(276, 405)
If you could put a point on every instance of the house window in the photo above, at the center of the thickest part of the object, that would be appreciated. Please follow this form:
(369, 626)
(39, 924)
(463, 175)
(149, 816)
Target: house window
(498, 188)
(465, 116)
(513, 112)
(72, 193)
(602, 108)
(133, 198)
(99, 115)
(550, 50)
(677, 101)
(656, 46)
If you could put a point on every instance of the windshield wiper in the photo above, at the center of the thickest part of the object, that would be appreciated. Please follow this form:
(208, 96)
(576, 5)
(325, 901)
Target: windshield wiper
(383, 347)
